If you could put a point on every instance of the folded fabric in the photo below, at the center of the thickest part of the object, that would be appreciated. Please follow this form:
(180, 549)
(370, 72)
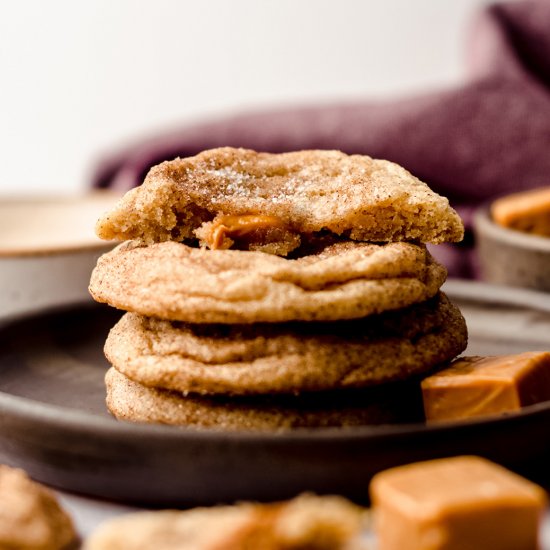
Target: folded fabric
(484, 139)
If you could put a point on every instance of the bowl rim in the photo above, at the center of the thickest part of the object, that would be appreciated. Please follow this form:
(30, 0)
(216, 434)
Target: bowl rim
(485, 226)
(87, 246)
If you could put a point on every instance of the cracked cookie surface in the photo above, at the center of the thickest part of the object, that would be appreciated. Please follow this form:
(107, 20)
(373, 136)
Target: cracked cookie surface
(306, 192)
(287, 358)
(344, 280)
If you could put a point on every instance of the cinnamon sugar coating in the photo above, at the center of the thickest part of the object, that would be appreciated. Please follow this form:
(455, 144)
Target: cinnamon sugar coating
(345, 280)
(308, 191)
(134, 402)
(287, 358)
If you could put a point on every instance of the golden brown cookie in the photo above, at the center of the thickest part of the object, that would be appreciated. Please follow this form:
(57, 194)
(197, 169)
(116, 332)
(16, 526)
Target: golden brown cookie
(287, 358)
(30, 516)
(387, 404)
(344, 280)
(306, 522)
(283, 198)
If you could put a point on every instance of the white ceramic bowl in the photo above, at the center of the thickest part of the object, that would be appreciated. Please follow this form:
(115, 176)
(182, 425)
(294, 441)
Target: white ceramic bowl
(47, 251)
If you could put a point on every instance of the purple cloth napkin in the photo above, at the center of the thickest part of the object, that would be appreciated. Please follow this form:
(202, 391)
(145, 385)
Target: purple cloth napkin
(487, 138)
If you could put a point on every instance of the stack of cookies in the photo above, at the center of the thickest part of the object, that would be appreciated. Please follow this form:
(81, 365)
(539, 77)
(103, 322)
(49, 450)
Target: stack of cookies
(272, 291)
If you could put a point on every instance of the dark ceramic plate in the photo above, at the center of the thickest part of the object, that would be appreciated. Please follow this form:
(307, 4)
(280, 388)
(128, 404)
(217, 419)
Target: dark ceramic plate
(54, 424)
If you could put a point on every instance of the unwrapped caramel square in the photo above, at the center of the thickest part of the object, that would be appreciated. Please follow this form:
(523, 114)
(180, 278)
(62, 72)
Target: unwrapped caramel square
(527, 211)
(480, 386)
(461, 503)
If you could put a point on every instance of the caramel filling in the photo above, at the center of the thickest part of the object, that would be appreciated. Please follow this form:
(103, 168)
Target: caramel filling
(248, 232)
(224, 228)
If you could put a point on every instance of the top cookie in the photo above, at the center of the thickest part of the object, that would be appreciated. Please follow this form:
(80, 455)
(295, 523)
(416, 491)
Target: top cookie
(239, 198)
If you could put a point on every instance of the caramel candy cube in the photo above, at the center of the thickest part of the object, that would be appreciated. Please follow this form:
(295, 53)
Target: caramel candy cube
(527, 211)
(480, 386)
(461, 503)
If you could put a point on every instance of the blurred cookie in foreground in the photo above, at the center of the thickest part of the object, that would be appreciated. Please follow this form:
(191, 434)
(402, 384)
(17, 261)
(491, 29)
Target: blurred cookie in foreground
(290, 357)
(395, 403)
(308, 521)
(243, 199)
(30, 516)
(482, 386)
(460, 503)
(342, 280)
(528, 211)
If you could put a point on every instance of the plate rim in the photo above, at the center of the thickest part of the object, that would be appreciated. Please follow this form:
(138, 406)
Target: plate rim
(28, 409)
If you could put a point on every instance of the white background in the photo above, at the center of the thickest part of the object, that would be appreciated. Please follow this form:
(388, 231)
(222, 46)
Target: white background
(81, 78)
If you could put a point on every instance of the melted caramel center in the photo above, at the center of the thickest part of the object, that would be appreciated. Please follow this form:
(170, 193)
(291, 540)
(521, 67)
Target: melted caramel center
(233, 227)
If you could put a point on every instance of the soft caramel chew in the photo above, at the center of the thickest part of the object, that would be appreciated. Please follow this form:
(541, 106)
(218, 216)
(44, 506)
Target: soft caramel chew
(248, 232)
(479, 386)
(462, 503)
(528, 211)
(307, 191)
(306, 522)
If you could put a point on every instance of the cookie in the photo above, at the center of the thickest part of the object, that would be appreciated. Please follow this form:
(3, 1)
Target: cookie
(271, 202)
(30, 515)
(134, 402)
(307, 521)
(287, 358)
(344, 280)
